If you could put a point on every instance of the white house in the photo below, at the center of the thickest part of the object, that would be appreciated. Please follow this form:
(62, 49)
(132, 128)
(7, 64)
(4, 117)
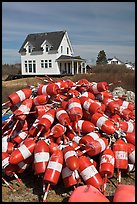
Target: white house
(49, 53)
(115, 60)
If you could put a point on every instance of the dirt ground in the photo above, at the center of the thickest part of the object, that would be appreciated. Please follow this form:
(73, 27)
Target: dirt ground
(31, 188)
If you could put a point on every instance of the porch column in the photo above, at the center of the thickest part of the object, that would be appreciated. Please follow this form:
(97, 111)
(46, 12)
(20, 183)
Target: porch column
(81, 68)
(77, 67)
(85, 67)
(72, 67)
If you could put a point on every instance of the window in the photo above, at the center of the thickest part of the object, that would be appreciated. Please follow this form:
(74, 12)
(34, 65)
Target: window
(46, 63)
(42, 63)
(47, 48)
(50, 64)
(67, 50)
(30, 66)
(34, 66)
(61, 49)
(26, 66)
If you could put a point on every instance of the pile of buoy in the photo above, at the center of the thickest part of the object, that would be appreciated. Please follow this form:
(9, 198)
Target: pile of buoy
(76, 131)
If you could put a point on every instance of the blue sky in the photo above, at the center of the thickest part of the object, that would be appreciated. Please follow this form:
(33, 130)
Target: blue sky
(91, 26)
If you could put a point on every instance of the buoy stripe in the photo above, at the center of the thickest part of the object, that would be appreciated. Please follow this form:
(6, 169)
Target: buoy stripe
(86, 105)
(21, 95)
(44, 89)
(121, 155)
(130, 127)
(69, 154)
(75, 174)
(58, 84)
(55, 166)
(80, 123)
(89, 172)
(74, 105)
(4, 146)
(24, 151)
(85, 94)
(101, 121)
(102, 144)
(94, 135)
(76, 139)
(49, 117)
(59, 113)
(23, 135)
(66, 172)
(107, 158)
(132, 157)
(121, 108)
(24, 109)
(125, 104)
(5, 162)
(95, 88)
(41, 157)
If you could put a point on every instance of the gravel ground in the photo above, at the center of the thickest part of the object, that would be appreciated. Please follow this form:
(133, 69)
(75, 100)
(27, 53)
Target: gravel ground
(31, 188)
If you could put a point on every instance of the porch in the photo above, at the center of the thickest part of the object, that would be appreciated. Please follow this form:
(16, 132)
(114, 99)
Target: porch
(71, 65)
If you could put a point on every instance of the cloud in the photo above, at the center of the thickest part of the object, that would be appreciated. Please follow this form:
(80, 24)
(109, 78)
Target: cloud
(91, 26)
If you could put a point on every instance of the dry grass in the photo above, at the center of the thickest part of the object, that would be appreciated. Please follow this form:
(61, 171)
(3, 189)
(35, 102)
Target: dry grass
(100, 73)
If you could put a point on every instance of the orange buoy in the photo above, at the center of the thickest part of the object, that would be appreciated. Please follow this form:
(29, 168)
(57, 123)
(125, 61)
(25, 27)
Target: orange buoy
(19, 96)
(103, 123)
(70, 178)
(124, 193)
(41, 156)
(83, 126)
(22, 152)
(75, 109)
(54, 168)
(87, 193)
(120, 150)
(89, 173)
(71, 159)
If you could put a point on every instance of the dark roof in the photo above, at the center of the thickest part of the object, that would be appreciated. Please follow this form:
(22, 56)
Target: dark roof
(69, 57)
(36, 39)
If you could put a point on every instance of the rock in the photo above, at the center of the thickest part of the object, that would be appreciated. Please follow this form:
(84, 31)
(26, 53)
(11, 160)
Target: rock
(129, 95)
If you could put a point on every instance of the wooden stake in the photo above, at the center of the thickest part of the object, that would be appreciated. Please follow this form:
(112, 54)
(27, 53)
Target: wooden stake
(119, 175)
(46, 193)
(104, 184)
(5, 103)
(8, 184)
(5, 111)
(13, 128)
(18, 179)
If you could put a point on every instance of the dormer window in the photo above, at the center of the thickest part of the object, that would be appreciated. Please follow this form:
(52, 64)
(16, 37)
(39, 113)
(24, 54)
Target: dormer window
(47, 48)
(29, 49)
